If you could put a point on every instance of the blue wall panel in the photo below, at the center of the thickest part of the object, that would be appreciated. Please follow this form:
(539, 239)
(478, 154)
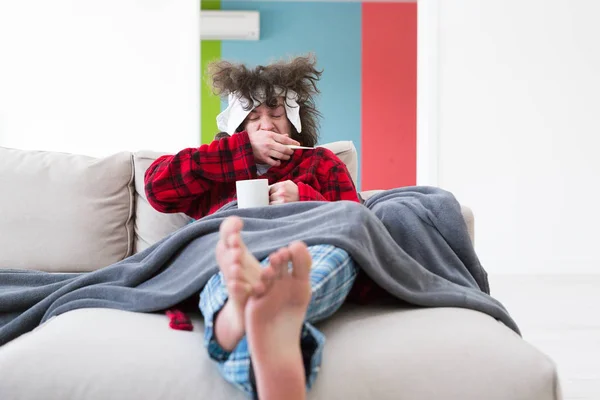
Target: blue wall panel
(332, 31)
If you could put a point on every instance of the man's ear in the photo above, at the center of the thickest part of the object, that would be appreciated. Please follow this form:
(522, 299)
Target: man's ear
(222, 135)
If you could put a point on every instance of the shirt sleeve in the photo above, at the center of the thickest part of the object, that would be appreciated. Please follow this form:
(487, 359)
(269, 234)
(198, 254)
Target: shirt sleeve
(332, 181)
(307, 193)
(183, 182)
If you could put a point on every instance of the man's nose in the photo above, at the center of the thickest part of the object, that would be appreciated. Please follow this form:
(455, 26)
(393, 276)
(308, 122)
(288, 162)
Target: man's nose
(266, 123)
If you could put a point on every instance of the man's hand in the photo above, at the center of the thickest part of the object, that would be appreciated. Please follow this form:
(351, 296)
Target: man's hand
(269, 147)
(283, 192)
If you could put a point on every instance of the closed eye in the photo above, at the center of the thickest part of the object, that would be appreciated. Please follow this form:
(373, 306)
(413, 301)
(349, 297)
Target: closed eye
(277, 112)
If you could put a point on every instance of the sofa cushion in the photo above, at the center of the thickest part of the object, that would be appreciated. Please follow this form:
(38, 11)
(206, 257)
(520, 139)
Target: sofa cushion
(99, 354)
(347, 153)
(63, 212)
(430, 353)
(374, 353)
(151, 225)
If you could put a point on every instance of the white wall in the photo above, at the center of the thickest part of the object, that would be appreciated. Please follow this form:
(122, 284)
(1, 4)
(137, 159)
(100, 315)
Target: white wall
(519, 129)
(96, 77)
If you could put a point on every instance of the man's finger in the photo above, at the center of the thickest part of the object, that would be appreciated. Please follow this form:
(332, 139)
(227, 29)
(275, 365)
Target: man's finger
(272, 162)
(278, 155)
(273, 187)
(283, 139)
(268, 134)
(275, 199)
(282, 148)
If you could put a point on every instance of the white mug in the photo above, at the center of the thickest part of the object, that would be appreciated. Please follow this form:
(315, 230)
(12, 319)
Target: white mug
(252, 193)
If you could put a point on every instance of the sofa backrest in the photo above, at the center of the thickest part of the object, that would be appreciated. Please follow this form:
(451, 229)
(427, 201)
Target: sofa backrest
(72, 213)
(65, 212)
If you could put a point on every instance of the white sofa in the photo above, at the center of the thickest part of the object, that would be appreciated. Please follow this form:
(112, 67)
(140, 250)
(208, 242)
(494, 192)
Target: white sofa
(72, 213)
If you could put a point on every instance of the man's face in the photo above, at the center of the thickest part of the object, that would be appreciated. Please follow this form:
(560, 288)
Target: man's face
(269, 119)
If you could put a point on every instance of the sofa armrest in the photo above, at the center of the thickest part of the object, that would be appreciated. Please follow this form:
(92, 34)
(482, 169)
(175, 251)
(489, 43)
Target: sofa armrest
(466, 212)
(469, 220)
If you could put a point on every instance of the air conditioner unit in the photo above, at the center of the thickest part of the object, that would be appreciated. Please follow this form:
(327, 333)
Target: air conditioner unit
(229, 25)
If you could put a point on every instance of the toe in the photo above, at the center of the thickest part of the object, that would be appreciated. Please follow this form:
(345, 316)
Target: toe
(232, 256)
(301, 260)
(233, 240)
(235, 272)
(260, 288)
(229, 226)
(275, 258)
(278, 262)
(267, 276)
(283, 259)
(238, 290)
(221, 252)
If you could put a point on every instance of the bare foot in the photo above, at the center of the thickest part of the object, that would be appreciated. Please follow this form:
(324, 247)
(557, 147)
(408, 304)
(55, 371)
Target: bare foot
(243, 278)
(274, 322)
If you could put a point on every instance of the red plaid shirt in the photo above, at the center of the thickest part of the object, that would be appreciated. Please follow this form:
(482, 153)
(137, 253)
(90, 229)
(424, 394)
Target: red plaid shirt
(199, 181)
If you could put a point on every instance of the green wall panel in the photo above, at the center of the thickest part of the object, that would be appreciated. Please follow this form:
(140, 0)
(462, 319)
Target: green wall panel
(210, 50)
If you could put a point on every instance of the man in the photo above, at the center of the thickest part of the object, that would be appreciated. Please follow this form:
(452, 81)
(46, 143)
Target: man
(248, 309)
(269, 109)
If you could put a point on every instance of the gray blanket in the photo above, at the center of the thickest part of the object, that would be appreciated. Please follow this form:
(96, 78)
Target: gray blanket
(412, 242)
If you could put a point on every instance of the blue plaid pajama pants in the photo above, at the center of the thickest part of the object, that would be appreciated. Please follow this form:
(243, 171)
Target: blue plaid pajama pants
(332, 275)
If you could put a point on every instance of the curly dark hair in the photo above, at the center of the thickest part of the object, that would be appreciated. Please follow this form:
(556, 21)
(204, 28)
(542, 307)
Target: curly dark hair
(298, 74)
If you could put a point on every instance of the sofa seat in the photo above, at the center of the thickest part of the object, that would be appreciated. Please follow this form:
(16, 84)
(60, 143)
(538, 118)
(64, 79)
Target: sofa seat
(375, 352)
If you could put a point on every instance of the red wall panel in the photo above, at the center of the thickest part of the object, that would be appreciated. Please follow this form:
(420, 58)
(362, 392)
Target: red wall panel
(389, 95)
